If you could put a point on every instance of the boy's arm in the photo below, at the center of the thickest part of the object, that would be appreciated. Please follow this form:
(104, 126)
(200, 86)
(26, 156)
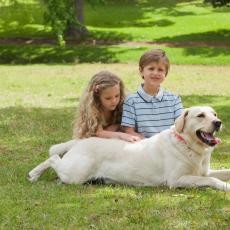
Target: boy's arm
(128, 121)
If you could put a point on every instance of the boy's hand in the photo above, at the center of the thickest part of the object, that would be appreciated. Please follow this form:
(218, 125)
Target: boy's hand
(131, 131)
(128, 137)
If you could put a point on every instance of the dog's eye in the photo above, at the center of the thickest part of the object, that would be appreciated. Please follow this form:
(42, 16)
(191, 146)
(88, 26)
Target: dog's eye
(201, 115)
(215, 114)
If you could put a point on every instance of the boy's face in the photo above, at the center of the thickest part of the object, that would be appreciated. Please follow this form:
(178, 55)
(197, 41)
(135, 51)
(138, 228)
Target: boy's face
(153, 74)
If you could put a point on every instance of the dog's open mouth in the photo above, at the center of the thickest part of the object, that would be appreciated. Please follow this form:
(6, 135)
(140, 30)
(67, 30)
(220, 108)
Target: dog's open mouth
(208, 138)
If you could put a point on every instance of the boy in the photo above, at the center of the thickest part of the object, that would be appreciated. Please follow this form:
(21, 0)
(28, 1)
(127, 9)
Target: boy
(151, 109)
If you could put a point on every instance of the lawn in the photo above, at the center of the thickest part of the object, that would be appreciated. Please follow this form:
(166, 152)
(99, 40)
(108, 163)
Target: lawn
(37, 106)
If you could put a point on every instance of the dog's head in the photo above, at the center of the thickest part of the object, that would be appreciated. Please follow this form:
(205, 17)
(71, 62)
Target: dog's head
(199, 124)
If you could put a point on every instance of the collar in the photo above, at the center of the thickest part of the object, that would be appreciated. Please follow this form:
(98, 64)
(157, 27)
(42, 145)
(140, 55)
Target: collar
(149, 98)
(179, 137)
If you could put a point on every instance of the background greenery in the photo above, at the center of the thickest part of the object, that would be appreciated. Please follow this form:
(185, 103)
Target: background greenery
(38, 101)
(177, 22)
(129, 20)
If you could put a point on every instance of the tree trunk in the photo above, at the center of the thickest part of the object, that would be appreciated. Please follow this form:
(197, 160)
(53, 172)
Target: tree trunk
(81, 30)
(79, 4)
(80, 17)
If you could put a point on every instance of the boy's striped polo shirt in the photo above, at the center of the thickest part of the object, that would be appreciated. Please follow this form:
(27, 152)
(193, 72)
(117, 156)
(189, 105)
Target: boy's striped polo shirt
(150, 115)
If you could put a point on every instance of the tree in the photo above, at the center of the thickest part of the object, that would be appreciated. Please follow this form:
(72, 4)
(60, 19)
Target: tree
(66, 18)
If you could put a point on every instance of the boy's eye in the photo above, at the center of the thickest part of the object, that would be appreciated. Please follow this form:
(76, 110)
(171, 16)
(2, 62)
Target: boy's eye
(160, 70)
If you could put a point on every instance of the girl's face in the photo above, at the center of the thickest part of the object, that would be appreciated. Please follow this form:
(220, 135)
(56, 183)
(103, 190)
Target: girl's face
(154, 73)
(110, 98)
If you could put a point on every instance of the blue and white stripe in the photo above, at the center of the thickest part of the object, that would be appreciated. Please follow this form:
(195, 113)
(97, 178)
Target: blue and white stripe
(151, 114)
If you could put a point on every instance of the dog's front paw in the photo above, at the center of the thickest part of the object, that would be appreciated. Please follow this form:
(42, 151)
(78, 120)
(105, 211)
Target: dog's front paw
(32, 177)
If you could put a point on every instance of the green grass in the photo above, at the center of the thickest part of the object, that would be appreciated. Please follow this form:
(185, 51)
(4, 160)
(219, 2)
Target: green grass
(37, 106)
(139, 20)
(157, 20)
(27, 54)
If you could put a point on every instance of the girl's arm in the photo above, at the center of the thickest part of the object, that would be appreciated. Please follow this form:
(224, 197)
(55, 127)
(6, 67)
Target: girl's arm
(117, 135)
(113, 128)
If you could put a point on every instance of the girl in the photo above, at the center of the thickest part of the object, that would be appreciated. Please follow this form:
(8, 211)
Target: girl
(99, 113)
(100, 109)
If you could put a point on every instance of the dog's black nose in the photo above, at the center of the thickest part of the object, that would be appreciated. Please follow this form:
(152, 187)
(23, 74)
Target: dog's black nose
(217, 123)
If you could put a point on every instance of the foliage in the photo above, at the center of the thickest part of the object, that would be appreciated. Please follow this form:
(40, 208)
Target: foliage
(60, 14)
(219, 3)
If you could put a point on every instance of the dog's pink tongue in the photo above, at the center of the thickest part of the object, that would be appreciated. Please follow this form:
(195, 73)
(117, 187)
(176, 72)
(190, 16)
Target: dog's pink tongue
(216, 141)
(212, 139)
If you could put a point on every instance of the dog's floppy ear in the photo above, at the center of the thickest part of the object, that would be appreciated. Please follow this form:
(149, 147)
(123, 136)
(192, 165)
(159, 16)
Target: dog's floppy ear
(180, 121)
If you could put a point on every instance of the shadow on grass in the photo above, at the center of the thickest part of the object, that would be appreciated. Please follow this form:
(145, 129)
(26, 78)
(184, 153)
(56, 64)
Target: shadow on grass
(109, 36)
(54, 54)
(210, 36)
(28, 54)
(207, 52)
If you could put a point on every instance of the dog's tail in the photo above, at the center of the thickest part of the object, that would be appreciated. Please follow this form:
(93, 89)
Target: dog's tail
(62, 148)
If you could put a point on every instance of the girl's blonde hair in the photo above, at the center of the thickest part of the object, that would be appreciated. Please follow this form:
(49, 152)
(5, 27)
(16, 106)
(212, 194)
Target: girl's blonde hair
(89, 116)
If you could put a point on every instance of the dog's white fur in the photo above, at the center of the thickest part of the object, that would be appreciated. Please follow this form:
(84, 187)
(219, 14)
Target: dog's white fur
(163, 159)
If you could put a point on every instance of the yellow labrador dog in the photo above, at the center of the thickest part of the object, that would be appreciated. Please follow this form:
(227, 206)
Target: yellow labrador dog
(177, 157)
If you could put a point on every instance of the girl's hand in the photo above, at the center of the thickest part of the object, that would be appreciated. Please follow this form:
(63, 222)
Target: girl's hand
(128, 137)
